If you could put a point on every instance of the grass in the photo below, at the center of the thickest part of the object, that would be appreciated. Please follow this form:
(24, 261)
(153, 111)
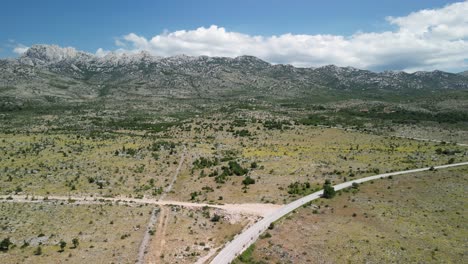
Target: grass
(246, 256)
(127, 163)
(101, 150)
(190, 233)
(72, 164)
(106, 233)
(300, 154)
(410, 218)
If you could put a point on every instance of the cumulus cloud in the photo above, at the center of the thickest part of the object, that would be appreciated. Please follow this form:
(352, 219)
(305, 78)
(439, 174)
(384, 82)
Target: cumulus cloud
(423, 40)
(20, 49)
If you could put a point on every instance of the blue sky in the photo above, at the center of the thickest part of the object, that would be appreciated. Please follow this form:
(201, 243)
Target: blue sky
(90, 25)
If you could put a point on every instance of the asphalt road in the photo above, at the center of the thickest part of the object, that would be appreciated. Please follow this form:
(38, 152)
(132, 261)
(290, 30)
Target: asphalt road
(242, 241)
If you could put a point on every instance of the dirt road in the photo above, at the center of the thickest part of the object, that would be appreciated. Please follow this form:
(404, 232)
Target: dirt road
(147, 236)
(158, 241)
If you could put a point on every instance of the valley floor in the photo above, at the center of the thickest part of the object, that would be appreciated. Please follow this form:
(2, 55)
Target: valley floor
(406, 219)
(206, 180)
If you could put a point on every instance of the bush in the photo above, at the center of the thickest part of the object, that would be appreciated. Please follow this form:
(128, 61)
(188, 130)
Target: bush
(162, 145)
(248, 181)
(38, 251)
(253, 165)
(193, 195)
(299, 188)
(328, 190)
(5, 244)
(280, 125)
(75, 242)
(440, 151)
(242, 133)
(215, 218)
(246, 256)
(237, 169)
(62, 245)
(203, 162)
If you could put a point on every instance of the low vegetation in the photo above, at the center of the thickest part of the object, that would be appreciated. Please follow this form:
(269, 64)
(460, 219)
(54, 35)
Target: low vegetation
(407, 218)
(74, 233)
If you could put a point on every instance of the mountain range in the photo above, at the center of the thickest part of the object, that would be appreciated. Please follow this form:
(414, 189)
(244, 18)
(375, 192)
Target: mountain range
(48, 71)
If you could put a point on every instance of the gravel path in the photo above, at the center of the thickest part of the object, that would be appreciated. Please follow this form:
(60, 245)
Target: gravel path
(160, 230)
(159, 240)
(176, 174)
(147, 236)
(255, 209)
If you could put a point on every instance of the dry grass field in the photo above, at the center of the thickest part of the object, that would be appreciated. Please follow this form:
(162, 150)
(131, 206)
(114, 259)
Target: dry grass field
(418, 218)
(193, 234)
(105, 165)
(299, 154)
(106, 233)
(274, 155)
(240, 160)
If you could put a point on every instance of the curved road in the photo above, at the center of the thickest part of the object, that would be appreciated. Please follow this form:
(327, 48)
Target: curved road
(249, 236)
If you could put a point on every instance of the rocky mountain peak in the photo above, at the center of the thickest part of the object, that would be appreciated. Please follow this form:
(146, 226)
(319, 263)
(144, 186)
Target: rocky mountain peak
(128, 58)
(49, 54)
(146, 74)
(251, 60)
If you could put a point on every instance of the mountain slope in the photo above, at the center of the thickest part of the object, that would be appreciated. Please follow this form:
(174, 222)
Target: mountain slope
(51, 71)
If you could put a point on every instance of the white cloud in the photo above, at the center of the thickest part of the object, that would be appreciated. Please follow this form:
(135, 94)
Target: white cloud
(423, 40)
(20, 49)
(449, 22)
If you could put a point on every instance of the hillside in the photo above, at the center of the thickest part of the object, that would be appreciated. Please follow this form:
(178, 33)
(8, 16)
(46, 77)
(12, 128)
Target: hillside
(50, 71)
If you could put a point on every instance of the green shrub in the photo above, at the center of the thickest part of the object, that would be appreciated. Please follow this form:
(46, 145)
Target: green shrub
(248, 181)
(328, 190)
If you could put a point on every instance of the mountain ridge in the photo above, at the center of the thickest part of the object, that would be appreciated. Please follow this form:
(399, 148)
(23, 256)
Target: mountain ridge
(45, 71)
(55, 53)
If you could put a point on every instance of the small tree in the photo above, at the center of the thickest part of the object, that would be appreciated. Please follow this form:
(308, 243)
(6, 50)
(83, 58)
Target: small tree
(75, 242)
(62, 245)
(328, 190)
